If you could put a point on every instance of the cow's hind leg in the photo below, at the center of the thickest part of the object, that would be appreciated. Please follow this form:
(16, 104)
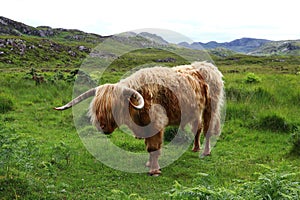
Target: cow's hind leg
(197, 131)
(207, 131)
(206, 151)
(153, 145)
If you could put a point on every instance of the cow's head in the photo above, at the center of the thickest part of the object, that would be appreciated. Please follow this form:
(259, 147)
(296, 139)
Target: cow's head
(111, 104)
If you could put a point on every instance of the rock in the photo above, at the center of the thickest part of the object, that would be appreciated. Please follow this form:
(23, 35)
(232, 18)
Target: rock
(46, 32)
(83, 48)
(42, 34)
(31, 47)
(72, 53)
(166, 60)
(3, 22)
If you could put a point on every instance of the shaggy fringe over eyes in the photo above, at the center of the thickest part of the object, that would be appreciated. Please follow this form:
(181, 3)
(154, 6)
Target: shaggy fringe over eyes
(101, 108)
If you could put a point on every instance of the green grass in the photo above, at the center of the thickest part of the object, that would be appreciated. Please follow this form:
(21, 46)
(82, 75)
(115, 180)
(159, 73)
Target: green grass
(43, 157)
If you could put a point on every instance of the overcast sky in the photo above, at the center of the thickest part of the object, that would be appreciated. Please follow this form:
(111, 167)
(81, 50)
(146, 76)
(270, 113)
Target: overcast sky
(204, 21)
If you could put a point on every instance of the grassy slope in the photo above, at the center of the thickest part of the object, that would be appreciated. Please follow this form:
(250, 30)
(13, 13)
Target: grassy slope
(66, 170)
(30, 51)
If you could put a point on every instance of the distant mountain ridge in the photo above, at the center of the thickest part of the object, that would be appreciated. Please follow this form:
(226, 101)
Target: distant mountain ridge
(243, 45)
(251, 46)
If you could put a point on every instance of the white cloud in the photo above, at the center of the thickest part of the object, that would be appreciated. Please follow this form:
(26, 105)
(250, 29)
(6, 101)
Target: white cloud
(198, 20)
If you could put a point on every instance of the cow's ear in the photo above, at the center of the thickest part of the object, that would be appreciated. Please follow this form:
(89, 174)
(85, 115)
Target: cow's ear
(134, 97)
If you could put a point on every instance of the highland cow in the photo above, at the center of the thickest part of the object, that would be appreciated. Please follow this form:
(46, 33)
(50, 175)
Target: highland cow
(153, 98)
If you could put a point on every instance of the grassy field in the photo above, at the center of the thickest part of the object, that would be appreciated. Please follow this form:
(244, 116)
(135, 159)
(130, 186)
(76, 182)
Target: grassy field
(42, 156)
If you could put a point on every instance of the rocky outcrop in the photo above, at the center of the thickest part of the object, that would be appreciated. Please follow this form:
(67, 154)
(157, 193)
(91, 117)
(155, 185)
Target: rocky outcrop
(11, 27)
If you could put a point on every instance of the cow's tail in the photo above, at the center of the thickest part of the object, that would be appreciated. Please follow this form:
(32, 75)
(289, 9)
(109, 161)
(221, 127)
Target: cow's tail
(78, 99)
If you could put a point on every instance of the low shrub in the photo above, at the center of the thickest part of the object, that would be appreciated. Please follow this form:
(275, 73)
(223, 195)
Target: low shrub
(252, 78)
(274, 123)
(274, 184)
(200, 192)
(6, 103)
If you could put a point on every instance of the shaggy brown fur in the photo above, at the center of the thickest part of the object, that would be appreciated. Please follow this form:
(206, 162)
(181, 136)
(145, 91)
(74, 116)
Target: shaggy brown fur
(170, 96)
(213, 77)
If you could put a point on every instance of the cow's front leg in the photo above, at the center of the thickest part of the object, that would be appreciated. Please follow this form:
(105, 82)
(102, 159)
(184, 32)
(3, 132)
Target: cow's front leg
(153, 161)
(153, 145)
(206, 151)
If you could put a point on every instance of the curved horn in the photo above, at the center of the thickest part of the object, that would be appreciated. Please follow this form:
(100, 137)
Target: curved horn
(78, 99)
(135, 99)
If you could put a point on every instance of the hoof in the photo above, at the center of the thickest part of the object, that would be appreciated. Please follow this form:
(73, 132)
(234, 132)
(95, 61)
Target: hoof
(196, 149)
(203, 155)
(155, 173)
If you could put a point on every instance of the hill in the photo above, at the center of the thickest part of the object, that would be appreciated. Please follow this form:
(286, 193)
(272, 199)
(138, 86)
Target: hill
(286, 47)
(11, 27)
(22, 45)
(26, 46)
